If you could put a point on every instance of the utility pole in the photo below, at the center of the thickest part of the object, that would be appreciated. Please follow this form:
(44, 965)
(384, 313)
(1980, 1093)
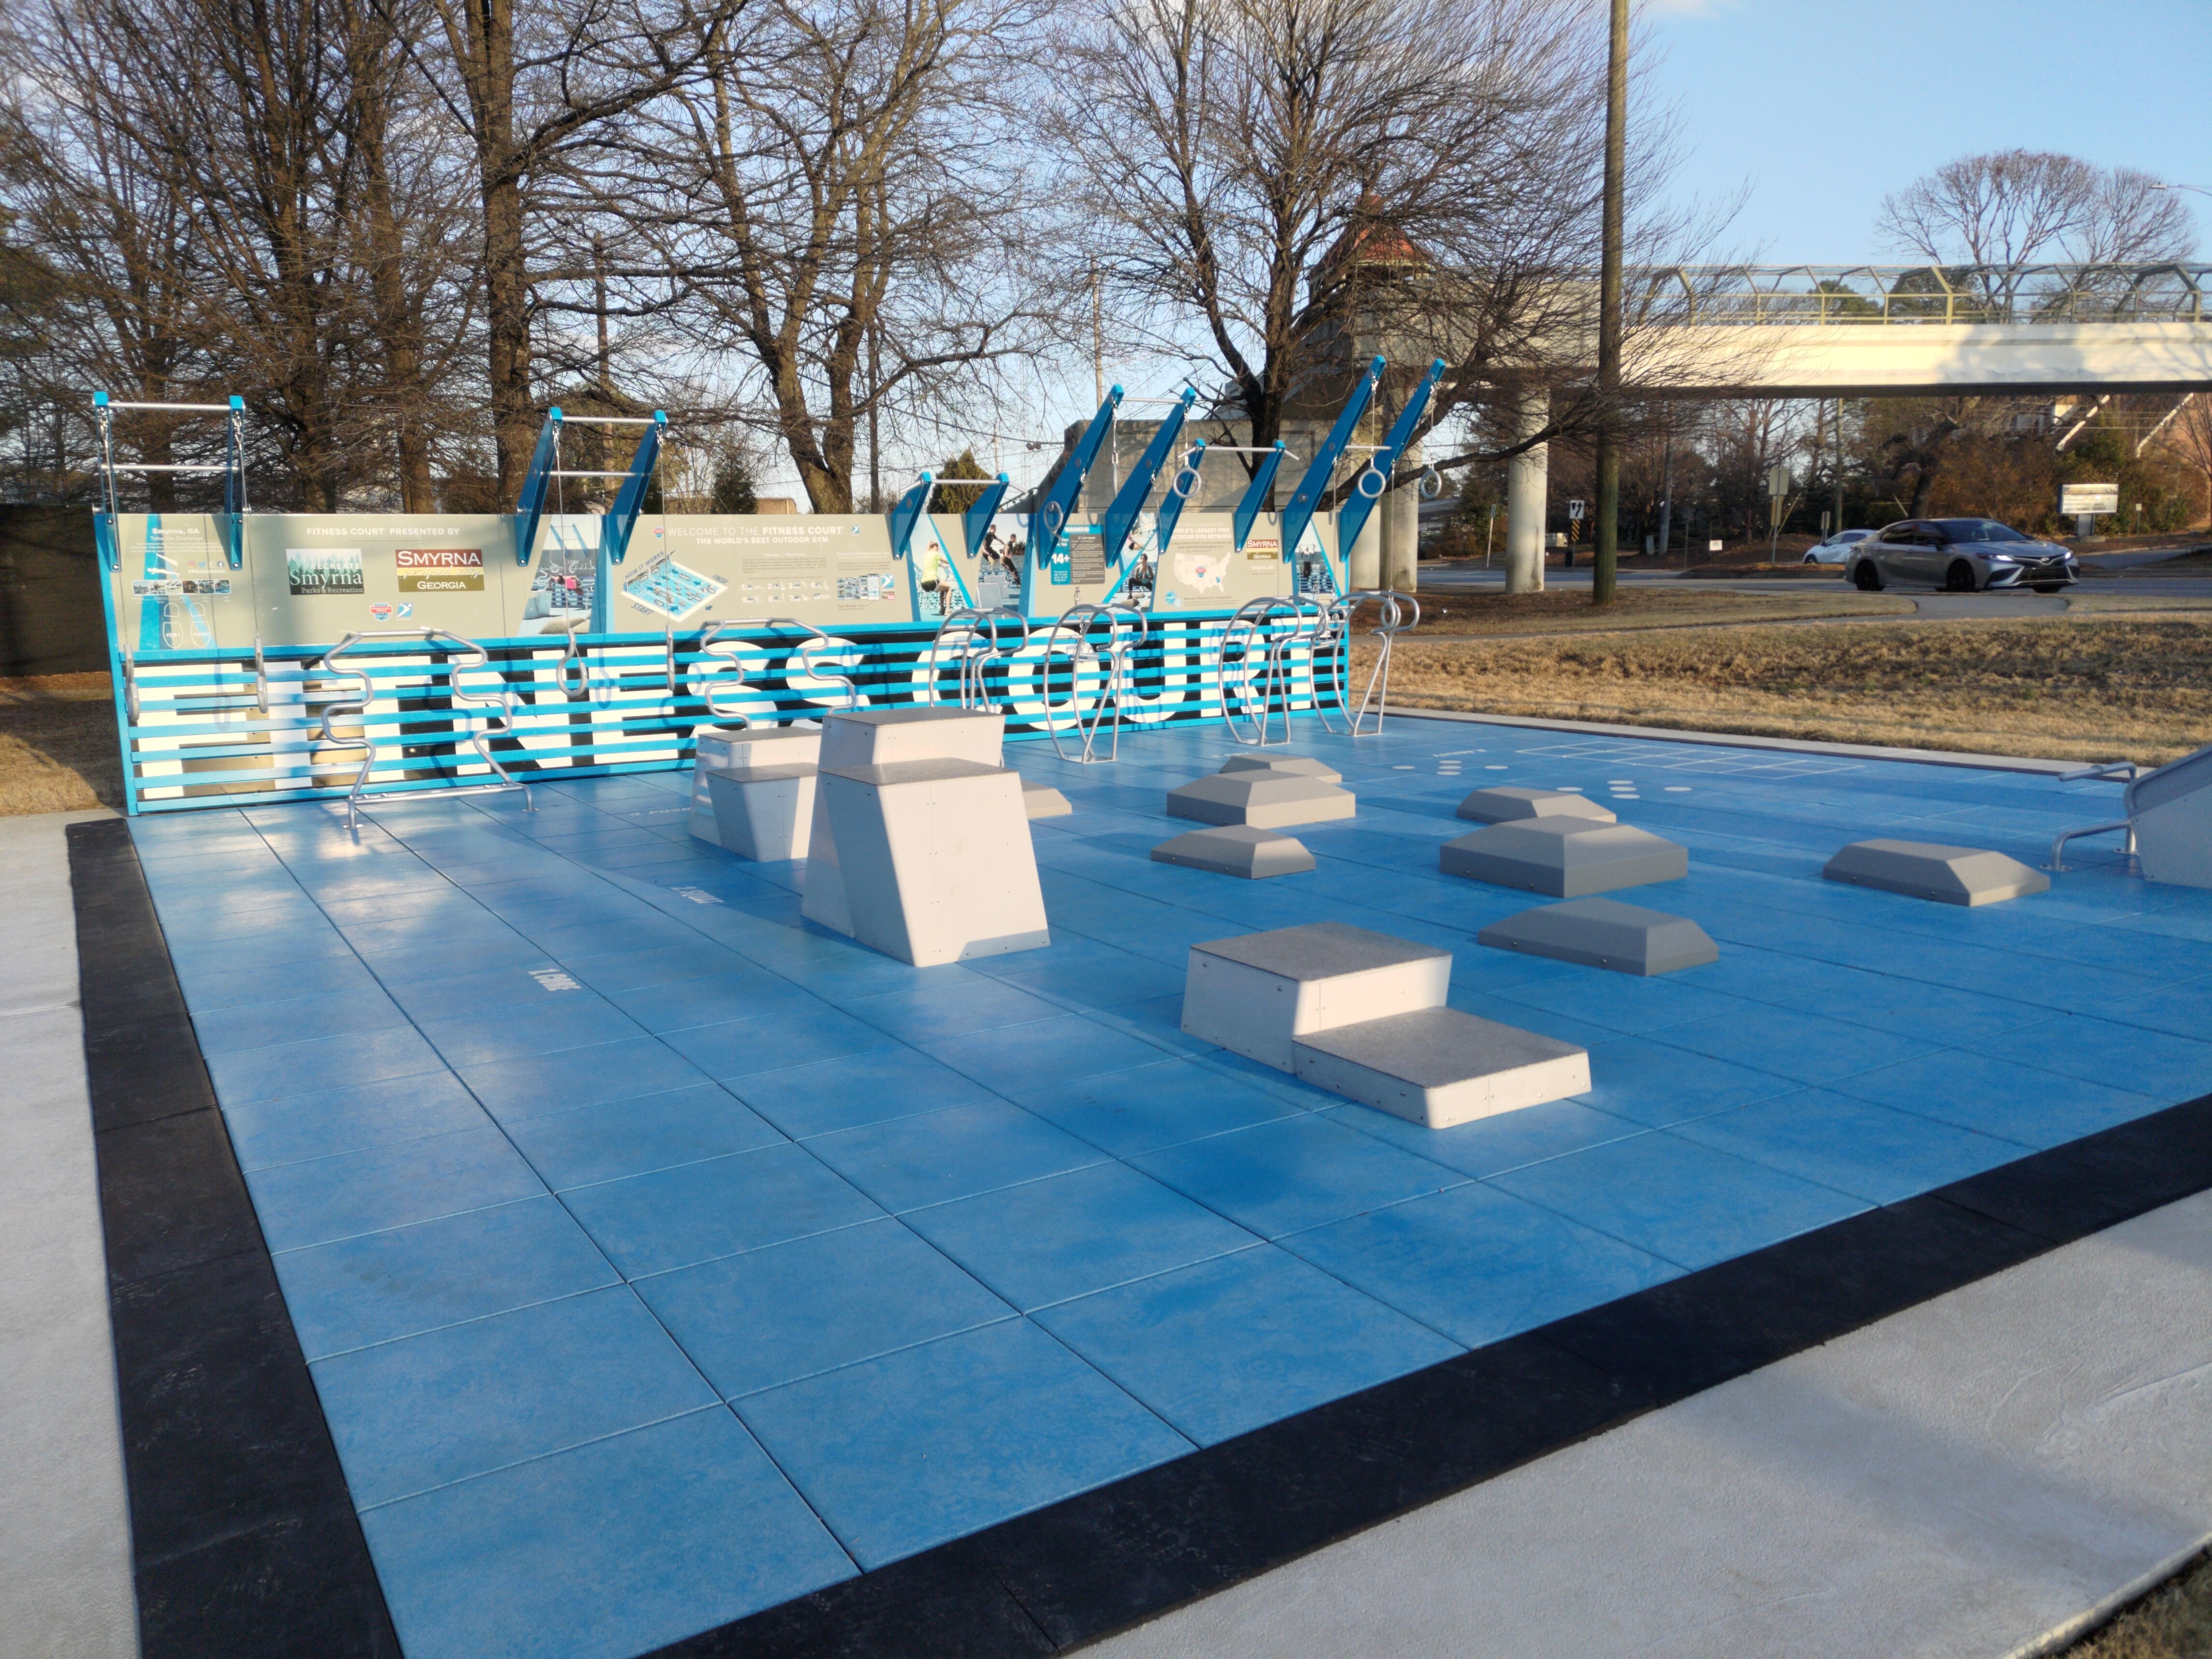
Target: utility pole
(1604, 577)
(1839, 463)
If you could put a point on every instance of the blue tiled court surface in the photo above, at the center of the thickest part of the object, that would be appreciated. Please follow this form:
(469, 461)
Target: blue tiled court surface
(659, 1257)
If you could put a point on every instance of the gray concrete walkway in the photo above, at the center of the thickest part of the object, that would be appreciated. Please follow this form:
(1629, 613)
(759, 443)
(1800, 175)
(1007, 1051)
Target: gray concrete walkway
(1983, 1475)
(64, 1521)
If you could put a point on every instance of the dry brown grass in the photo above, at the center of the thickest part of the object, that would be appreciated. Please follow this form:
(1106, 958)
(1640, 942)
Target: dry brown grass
(58, 744)
(1569, 611)
(2172, 1622)
(2082, 688)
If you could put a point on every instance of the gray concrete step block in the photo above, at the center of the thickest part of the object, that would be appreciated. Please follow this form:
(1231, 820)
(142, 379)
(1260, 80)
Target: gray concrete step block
(725, 748)
(763, 812)
(1565, 858)
(1236, 849)
(1602, 932)
(1041, 800)
(1302, 765)
(1254, 993)
(1439, 1067)
(1264, 799)
(1925, 870)
(1508, 804)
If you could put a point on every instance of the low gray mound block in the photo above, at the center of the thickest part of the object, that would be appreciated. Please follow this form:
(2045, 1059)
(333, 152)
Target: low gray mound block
(1923, 870)
(1602, 932)
(1041, 800)
(1303, 766)
(1439, 1067)
(1566, 858)
(1508, 804)
(1236, 849)
(1264, 799)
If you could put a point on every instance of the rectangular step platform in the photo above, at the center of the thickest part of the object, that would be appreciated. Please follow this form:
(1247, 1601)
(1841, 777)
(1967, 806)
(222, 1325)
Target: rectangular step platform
(1439, 1067)
(743, 748)
(763, 812)
(1255, 993)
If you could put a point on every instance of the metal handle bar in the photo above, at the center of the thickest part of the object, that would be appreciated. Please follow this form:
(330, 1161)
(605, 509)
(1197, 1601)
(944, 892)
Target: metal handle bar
(188, 408)
(2057, 846)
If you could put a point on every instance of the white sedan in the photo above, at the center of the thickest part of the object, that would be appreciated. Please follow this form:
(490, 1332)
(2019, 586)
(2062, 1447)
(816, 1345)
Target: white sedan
(1837, 548)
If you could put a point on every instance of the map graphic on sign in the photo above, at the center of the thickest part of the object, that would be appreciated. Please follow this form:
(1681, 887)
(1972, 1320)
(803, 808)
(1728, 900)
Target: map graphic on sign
(673, 589)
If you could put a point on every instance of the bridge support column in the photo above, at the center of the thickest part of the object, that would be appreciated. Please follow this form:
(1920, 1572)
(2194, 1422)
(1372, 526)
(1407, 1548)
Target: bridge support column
(1401, 513)
(1528, 483)
(1364, 567)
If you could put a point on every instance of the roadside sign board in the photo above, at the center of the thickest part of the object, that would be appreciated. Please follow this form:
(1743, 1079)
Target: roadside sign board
(2076, 499)
(1777, 480)
(1575, 510)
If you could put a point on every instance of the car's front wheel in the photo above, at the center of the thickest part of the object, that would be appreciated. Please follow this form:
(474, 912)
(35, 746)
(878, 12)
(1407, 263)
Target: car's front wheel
(1960, 578)
(1865, 576)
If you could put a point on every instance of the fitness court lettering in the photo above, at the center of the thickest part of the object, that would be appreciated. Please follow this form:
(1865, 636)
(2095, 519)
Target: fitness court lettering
(439, 569)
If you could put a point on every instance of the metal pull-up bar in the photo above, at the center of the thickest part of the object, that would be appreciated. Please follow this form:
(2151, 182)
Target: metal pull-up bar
(232, 467)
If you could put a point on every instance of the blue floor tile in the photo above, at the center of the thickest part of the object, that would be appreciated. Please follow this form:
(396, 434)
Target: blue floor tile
(1806, 1048)
(621, 1138)
(950, 1008)
(773, 1316)
(1650, 1083)
(658, 964)
(1491, 1145)
(1228, 1344)
(574, 1019)
(512, 1090)
(601, 1551)
(746, 993)
(1852, 1146)
(1623, 1002)
(652, 1223)
(935, 1156)
(1069, 1235)
(329, 1198)
(1020, 1061)
(829, 1095)
(1299, 1172)
(934, 1442)
(379, 1287)
(319, 1064)
(2157, 1063)
(1093, 975)
(2001, 1097)
(739, 1048)
(266, 1132)
(1149, 1107)
(208, 989)
(428, 1410)
(1478, 1264)
(1689, 1205)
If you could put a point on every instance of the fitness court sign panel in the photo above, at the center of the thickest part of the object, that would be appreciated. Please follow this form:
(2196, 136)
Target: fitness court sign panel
(439, 569)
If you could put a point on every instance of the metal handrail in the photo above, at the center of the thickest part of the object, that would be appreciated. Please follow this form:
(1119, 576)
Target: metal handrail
(1079, 620)
(975, 664)
(1257, 621)
(2057, 865)
(1390, 621)
(504, 699)
(1715, 295)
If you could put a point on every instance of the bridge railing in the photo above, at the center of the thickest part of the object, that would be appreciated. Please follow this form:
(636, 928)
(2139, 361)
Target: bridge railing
(1818, 295)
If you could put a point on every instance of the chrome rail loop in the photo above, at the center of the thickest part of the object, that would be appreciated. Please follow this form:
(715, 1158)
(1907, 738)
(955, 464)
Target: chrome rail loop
(503, 701)
(2057, 865)
(975, 634)
(1391, 620)
(1126, 628)
(1262, 634)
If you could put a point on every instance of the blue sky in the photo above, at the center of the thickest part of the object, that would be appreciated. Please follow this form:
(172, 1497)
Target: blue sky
(1822, 106)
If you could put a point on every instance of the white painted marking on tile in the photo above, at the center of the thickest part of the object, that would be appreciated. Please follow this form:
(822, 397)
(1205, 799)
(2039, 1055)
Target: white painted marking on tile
(553, 978)
(696, 895)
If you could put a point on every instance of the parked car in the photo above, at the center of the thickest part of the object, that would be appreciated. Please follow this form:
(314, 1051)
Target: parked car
(1837, 548)
(1960, 555)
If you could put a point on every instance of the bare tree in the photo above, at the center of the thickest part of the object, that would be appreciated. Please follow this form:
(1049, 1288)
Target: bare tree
(2020, 207)
(839, 198)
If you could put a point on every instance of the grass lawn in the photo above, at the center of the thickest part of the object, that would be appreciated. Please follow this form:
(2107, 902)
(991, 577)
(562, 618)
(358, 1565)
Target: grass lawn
(2175, 1621)
(57, 751)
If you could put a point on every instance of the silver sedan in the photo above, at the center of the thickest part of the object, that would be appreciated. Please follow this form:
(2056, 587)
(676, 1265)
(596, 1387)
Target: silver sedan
(1959, 555)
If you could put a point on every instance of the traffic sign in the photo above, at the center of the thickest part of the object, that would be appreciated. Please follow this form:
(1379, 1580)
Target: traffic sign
(1777, 480)
(1574, 510)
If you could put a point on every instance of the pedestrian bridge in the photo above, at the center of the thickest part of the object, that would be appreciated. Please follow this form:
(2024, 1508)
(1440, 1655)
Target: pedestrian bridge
(1907, 330)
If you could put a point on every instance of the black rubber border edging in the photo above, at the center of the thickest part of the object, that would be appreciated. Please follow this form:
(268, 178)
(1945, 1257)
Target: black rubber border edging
(247, 1544)
(244, 1537)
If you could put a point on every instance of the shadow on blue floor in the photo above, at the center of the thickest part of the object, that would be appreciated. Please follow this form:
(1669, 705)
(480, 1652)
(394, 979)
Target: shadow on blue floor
(660, 1257)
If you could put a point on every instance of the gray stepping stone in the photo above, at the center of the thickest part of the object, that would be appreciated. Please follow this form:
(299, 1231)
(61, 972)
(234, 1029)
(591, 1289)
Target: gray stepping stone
(1508, 804)
(1923, 870)
(1602, 932)
(1439, 1067)
(1303, 765)
(1566, 858)
(1236, 849)
(1264, 799)
(1041, 800)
